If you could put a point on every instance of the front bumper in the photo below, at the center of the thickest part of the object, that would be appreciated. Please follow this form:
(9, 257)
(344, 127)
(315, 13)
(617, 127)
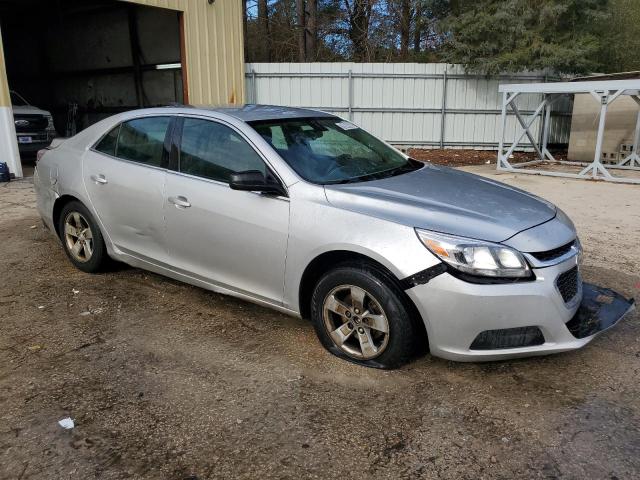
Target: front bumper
(39, 140)
(33, 147)
(456, 312)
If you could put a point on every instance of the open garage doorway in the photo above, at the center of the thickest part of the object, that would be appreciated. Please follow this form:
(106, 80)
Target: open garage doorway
(80, 61)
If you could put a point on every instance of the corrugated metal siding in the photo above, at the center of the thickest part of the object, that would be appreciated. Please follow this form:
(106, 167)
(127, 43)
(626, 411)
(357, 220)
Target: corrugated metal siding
(5, 100)
(214, 49)
(403, 102)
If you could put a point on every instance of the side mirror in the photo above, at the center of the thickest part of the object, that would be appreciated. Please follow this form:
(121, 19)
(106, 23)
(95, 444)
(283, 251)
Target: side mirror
(255, 181)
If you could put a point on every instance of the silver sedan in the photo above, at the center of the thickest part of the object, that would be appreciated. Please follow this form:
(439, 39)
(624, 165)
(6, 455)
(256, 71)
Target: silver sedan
(306, 213)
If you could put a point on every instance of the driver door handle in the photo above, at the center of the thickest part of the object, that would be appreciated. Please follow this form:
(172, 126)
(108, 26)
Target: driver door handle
(180, 202)
(99, 179)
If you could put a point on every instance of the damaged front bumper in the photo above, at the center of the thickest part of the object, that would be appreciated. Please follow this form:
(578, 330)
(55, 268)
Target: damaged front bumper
(600, 309)
(475, 322)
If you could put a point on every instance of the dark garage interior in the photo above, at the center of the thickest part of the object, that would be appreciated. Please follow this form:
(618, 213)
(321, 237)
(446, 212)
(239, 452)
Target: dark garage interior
(83, 60)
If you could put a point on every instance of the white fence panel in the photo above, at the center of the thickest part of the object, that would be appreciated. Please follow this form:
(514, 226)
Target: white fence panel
(408, 104)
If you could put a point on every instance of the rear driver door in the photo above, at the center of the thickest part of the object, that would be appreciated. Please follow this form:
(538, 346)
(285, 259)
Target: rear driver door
(125, 176)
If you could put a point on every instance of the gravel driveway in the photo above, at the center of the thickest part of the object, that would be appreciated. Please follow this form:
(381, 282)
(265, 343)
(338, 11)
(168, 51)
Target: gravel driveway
(168, 381)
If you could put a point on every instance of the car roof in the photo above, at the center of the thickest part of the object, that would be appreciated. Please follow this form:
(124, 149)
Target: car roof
(243, 113)
(252, 112)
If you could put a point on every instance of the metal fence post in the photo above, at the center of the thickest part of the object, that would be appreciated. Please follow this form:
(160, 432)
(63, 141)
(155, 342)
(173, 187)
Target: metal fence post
(350, 94)
(254, 87)
(443, 114)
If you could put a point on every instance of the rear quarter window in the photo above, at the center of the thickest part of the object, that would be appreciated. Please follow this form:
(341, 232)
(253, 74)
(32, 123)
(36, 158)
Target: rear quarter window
(108, 143)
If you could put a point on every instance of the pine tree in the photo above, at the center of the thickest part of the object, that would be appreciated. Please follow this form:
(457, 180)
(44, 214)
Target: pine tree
(492, 36)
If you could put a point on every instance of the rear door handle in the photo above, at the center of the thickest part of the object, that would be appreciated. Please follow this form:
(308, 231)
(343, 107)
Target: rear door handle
(99, 179)
(180, 202)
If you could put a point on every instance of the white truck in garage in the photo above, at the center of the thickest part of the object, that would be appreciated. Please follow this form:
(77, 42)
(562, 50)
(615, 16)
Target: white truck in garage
(34, 127)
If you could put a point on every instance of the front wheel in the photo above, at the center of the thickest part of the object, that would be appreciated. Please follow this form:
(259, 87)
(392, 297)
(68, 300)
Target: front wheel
(361, 315)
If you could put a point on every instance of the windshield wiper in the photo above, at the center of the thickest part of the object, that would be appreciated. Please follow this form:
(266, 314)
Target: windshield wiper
(410, 166)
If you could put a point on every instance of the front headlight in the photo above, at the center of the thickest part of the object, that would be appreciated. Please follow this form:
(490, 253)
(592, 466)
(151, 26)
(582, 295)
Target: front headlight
(50, 122)
(578, 247)
(476, 257)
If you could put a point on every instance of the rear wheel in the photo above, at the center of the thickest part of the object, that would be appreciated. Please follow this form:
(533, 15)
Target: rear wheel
(361, 315)
(81, 238)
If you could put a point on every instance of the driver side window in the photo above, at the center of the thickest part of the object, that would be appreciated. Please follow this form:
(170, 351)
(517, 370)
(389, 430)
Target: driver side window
(211, 150)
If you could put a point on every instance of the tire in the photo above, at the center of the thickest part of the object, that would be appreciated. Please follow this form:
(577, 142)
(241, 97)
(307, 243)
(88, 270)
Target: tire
(77, 227)
(343, 331)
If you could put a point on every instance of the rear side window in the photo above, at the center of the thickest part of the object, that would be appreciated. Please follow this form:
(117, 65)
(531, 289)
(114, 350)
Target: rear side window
(108, 143)
(215, 151)
(142, 140)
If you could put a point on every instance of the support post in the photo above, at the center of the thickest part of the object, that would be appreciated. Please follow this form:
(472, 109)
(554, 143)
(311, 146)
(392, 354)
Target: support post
(545, 132)
(444, 108)
(254, 87)
(633, 158)
(9, 152)
(596, 165)
(503, 114)
(134, 44)
(350, 95)
(542, 122)
(183, 61)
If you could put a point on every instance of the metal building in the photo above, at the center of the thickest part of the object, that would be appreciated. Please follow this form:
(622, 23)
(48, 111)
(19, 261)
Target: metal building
(83, 60)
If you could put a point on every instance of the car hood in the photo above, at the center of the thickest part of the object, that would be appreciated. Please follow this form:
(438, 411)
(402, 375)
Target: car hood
(447, 201)
(28, 110)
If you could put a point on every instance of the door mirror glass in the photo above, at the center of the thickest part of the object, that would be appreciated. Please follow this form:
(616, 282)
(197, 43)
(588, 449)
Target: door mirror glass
(255, 181)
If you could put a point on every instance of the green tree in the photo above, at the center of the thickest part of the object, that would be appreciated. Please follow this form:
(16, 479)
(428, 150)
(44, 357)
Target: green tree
(492, 36)
(620, 51)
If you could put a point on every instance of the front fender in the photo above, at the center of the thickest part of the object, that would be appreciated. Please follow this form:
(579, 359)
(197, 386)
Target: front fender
(316, 227)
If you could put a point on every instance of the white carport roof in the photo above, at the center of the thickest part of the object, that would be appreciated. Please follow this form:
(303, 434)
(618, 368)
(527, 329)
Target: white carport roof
(627, 87)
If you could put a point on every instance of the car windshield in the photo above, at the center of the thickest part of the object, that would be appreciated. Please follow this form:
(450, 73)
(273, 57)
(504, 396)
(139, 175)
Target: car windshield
(329, 150)
(17, 100)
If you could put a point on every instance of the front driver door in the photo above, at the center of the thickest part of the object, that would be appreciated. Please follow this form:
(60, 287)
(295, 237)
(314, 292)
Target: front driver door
(125, 179)
(235, 239)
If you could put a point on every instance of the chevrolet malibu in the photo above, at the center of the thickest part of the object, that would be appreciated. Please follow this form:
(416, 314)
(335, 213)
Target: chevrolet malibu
(304, 212)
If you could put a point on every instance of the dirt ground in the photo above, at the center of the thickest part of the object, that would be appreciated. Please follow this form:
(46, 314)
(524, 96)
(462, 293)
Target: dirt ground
(168, 381)
(463, 157)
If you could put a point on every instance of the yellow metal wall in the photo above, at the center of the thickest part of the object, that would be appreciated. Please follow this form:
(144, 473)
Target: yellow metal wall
(214, 49)
(5, 101)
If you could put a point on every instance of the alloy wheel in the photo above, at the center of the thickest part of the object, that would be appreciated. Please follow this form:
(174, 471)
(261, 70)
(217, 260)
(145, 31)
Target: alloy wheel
(356, 322)
(78, 237)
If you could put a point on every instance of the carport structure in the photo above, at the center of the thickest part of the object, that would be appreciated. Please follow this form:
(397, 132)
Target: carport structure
(603, 92)
(89, 59)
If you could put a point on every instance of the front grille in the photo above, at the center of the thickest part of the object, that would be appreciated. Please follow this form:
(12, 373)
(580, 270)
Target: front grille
(553, 254)
(508, 338)
(30, 123)
(568, 284)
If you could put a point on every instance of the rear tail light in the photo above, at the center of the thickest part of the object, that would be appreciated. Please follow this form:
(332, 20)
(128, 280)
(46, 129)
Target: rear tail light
(55, 143)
